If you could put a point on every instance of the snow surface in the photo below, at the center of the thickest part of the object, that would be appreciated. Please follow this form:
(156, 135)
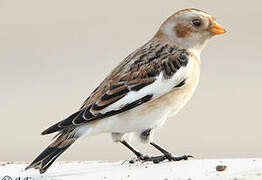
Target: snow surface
(237, 169)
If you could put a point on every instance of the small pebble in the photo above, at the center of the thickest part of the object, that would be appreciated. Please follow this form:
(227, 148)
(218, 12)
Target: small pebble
(221, 167)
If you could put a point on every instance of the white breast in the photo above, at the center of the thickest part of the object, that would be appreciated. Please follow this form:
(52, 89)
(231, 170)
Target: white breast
(169, 104)
(180, 96)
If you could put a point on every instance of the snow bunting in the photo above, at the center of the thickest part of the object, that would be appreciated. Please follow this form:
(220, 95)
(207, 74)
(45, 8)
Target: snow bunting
(148, 86)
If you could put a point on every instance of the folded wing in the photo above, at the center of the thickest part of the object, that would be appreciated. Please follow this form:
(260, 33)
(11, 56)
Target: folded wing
(146, 74)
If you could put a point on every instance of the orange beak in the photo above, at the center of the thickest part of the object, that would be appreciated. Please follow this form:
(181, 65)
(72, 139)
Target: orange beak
(217, 29)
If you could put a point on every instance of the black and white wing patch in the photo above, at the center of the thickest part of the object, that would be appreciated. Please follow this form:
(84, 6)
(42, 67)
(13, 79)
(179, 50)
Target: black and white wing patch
(131, 84)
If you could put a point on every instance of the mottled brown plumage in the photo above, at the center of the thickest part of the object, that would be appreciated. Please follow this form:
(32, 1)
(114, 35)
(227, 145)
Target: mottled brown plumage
(137, 71)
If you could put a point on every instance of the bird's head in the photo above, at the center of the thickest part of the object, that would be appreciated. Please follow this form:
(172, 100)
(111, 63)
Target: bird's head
(190, 28)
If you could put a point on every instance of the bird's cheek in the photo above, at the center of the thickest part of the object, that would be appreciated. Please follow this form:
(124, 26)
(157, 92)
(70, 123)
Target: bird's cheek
(182, 31)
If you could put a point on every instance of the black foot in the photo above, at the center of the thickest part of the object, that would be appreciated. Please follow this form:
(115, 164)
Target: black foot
(158, 159)
(155, 159)
(177, 158)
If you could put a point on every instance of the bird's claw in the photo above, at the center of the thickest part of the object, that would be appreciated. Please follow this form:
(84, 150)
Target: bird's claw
(142, 158)
(179, 158)
(158, 159)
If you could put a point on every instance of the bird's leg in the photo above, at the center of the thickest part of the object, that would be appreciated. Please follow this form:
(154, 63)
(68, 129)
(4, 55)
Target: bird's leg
(168, 155)
(141, 157)
(138, 154)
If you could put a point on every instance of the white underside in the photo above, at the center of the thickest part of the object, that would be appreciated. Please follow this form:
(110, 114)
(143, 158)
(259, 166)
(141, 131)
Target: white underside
(166, 102)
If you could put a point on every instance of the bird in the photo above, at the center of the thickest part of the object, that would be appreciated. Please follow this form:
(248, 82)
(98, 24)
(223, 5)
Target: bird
(147, 87)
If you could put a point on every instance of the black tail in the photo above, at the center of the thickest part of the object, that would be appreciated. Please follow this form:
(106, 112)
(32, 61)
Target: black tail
(65, 139)
(64, 124)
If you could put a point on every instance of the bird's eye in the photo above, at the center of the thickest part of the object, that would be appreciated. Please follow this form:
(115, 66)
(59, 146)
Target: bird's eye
(196, 22)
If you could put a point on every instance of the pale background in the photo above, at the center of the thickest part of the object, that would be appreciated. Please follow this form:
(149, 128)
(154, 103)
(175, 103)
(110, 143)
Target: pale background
(53, 53)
